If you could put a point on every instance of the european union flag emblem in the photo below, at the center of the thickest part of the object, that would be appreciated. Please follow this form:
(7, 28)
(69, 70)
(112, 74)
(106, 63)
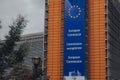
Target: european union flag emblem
(74, 11)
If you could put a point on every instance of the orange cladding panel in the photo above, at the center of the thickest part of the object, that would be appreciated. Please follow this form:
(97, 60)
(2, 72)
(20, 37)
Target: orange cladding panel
(54, 40)
(97, 53)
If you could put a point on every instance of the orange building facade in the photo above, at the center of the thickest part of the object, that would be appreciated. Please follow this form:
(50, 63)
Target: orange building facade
(55, 40)
(96, 69)
(97, 36)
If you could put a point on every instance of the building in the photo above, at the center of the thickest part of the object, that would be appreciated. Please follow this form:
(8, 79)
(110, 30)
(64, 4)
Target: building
(101, 46)
(35, 42)
(113, 40)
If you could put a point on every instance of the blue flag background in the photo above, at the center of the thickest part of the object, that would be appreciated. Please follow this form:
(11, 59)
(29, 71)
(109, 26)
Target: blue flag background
(74, 38)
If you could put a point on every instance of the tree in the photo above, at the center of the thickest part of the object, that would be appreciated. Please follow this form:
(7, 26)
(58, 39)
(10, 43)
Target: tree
(18, 55)
(1, 60)
(0, 28)
(17, 58)
(7, 49)
(0, 25)
(15, 32)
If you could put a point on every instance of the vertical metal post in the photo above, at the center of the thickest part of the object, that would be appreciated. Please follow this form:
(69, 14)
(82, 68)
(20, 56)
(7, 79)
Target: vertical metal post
(107, 45)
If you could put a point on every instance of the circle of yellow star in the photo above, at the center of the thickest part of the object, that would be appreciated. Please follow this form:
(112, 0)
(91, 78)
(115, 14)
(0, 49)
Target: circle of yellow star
(74, 7)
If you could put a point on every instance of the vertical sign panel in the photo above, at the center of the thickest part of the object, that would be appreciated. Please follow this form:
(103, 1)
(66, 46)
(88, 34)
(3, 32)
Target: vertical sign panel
(74, 40)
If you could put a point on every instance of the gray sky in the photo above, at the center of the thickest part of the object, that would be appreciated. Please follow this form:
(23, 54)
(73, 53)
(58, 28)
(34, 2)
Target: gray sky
(33, 10)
